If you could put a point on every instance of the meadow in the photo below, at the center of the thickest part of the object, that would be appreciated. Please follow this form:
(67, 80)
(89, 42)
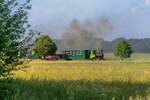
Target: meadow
(111, 79)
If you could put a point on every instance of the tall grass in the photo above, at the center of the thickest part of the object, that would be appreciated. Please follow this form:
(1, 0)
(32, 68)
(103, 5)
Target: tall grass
(84, 80)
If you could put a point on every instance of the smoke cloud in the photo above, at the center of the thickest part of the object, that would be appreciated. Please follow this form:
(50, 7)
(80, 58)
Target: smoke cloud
(85, 35)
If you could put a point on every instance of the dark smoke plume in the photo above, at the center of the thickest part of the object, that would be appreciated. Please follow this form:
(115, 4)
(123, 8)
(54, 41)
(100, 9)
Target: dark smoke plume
(83, 35)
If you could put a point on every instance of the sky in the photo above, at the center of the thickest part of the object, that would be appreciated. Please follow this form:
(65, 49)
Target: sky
(130, 18)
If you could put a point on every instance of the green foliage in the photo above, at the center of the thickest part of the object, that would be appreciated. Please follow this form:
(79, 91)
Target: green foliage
(13, 25)
(44, 46)
(80, 90)
(6, 88)
(123, 50)
(28, 42)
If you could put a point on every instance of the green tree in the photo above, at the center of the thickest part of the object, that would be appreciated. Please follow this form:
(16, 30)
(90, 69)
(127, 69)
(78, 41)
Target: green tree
(44, 46)
(123, 50)
(28, 42)
(13, 26)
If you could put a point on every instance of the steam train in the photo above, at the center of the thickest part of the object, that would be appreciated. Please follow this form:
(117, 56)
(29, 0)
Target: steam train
(73, 55)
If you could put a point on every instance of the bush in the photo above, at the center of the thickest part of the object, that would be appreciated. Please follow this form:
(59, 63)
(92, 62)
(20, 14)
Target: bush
(123, 50)
(44, 46)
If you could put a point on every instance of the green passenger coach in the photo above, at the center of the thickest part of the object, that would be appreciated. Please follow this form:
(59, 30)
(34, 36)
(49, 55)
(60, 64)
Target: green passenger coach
(84, 54)
(31, 56)
(75, 54)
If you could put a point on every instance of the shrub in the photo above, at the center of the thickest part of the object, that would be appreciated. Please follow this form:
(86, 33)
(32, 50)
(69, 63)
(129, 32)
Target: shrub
(44, 46)
(123, 50)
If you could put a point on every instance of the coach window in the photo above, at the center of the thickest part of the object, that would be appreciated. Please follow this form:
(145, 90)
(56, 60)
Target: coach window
(69, 53)
(74, 53)
(79, 52)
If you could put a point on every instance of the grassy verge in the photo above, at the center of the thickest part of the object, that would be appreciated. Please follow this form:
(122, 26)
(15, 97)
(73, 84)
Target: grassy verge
(85, 80)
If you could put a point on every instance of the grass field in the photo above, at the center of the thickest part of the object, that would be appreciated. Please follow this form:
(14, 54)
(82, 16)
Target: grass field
(111, 79)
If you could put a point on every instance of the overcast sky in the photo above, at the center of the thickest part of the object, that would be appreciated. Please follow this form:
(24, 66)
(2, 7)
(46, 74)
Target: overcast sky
(130, 18)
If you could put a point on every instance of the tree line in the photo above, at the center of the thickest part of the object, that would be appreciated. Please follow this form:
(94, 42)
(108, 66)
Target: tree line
(138, 45)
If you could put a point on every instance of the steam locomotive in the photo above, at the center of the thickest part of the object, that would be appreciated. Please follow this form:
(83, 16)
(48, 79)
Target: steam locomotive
(73, 55)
